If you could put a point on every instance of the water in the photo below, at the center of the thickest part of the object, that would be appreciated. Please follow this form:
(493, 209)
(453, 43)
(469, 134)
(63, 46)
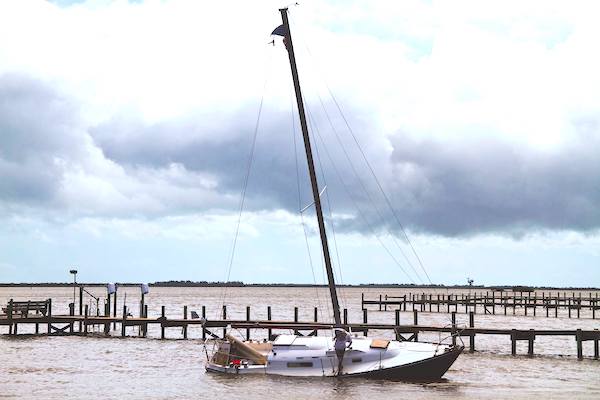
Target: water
(52, 368)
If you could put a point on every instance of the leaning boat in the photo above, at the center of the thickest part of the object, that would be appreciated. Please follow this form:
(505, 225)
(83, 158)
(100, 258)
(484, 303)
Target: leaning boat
(312, 356)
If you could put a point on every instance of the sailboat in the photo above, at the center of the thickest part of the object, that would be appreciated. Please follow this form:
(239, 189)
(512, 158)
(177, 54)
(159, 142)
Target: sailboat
(314, 356)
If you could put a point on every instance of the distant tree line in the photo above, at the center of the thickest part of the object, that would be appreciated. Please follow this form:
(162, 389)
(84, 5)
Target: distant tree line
(189, 283)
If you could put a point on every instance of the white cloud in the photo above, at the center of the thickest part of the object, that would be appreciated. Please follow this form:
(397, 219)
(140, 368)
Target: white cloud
(175, 74)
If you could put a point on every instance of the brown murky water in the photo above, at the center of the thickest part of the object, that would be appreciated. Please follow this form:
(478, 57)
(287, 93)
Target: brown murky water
(56, 367)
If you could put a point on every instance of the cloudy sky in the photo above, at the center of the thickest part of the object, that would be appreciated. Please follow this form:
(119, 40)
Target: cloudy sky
(126, 130)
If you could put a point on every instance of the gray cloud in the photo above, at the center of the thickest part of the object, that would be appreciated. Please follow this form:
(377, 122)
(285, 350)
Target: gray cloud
(453, 188)
(468, 187)
(462, 187)
(37, 131)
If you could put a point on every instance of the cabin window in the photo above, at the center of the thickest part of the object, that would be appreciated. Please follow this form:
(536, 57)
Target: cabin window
(300, 364)
(356, 360)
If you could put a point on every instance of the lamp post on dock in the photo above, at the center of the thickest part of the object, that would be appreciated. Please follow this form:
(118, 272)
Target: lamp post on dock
(74, 272)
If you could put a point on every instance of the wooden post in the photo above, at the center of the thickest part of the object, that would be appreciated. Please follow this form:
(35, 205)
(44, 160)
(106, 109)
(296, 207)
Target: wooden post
(453, 331)
(472, 336)
(185, 325)
(365, 320)
(269, 331)
(530, 342)
(80, 304)
(296, 320)
(415, 323)
(49, 316)
(9, 316)
(162, 322)
(115, 308)
(145, 323)
(579, 344)
(397, 322)
(513, 342)
(448, 304)
(123, 325)
(224, 318)
(85, 320)
(71, 313)
(345, 316)
(107, 315)
(596, 347)
(404, 303)
(380, 302)
(362, 300)
(248, 319)
(569, 305)
(204, 317)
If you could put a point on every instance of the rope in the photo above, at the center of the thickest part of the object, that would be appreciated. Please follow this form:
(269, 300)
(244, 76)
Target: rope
(364, 188)
(314, 128)
(371, 170)
(243, 191)
(387, 200)
(360, 212)
(312, 270)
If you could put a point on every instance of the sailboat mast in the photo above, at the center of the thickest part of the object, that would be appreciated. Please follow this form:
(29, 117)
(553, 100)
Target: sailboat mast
(311, 167)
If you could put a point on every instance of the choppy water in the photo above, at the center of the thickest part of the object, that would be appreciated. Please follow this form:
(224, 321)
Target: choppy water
(56, 367)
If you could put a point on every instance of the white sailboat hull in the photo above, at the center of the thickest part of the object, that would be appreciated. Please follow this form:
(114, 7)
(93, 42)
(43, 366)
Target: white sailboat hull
(315, 357)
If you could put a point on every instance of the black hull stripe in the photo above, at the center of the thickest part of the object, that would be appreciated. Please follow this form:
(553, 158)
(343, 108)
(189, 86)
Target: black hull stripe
(430, 369)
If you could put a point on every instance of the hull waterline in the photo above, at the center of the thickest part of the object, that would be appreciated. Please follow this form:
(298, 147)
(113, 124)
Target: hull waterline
(431, 369)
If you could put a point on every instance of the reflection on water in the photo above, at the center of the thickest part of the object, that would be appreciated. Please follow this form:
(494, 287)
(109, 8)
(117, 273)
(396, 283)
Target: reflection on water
(93, 367)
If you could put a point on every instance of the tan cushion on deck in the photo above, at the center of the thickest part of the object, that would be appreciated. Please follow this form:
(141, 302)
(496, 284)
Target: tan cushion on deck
(380, 343)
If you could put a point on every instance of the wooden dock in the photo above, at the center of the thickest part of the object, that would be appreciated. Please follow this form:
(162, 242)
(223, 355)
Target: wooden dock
(490, 303)
(52, 325)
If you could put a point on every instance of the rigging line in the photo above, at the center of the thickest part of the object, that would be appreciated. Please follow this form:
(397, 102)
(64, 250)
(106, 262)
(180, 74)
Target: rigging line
(357, 176)
(244, 189)
(364, 188)
(313, 124)
(360, 212)
(387, 200)
(312, 270)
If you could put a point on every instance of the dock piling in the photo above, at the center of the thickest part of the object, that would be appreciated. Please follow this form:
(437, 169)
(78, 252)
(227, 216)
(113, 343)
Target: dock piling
(472, 334)
(123, 325)
(162, 322)
(185, 326)
(248, 319)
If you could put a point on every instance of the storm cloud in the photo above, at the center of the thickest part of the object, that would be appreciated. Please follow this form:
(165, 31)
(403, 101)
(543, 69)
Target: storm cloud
(450, 188)
(462, 187)
(190, 155)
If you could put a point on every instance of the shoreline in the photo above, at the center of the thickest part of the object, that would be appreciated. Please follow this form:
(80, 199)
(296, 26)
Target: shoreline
(513, 288)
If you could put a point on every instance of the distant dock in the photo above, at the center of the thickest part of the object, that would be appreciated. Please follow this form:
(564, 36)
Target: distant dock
(490, 303)
(46, 323)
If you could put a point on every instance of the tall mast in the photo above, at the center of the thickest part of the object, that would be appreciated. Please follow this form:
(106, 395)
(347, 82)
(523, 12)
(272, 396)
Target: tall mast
(311, 167)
